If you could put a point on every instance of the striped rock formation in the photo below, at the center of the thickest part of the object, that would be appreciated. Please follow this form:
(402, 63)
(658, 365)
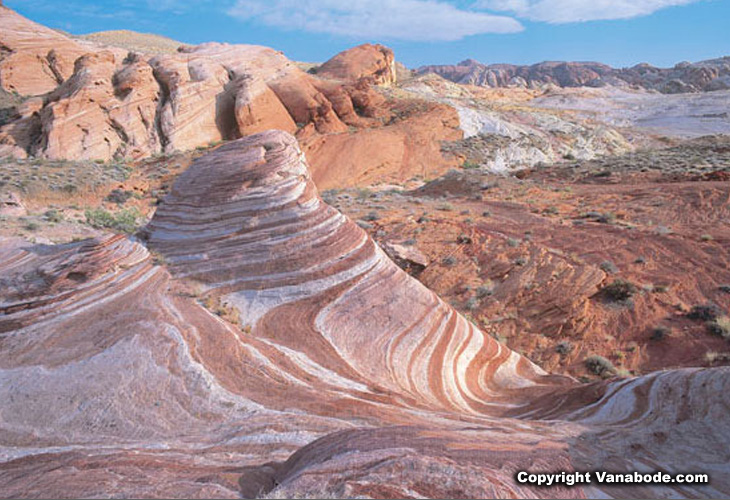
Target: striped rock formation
(278, 347)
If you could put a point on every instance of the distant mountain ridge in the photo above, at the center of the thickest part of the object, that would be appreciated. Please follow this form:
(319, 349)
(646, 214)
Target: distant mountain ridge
(713, 74)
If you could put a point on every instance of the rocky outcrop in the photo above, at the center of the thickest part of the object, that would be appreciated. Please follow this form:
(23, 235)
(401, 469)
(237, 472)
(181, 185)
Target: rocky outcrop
(375, 63)
(116, 104)
(703, 76)
(33, 59)
(279, 347)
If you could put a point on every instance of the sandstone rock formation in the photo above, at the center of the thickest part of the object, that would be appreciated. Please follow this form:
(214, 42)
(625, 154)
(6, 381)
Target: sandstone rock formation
(33, 59)
(111, 103)
(278, 347)
(373, 62)
(702, 76)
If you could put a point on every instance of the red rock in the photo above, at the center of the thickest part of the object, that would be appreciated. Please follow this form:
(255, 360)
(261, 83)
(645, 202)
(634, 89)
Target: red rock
(375, 63)
(316, 365)
(33, 59)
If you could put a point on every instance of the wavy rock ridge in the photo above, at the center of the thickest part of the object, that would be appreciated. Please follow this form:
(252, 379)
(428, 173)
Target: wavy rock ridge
(119, 381)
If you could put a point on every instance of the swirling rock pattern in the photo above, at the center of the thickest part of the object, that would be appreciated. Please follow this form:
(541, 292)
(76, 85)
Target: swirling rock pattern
(279, 347)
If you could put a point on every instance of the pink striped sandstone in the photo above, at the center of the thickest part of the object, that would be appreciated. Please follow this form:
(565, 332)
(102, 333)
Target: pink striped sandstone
(117, 381)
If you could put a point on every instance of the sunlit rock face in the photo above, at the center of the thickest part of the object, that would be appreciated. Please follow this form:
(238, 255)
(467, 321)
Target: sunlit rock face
(264, 341)
(104, 103)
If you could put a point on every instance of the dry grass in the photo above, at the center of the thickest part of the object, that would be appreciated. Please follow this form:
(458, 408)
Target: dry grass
(134, 41)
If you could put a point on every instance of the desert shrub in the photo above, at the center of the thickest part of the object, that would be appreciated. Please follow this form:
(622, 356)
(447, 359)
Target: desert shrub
(31, 226)
(470, 165)
(608, 267)
(564, 348)
(598, 365)
(471, 304)
(513, 242)
(659, 333)
(619, 290)
(53, 215)
(364, 225)
(720, 326)
(446, 207)
(485, 290)
(119, 196)
(606, 218)
(704, 312)
(520, 261)
(724, 288)
(124, 220)
(706, 237)
(449, 261)
(372, 216)
(712, 357)
(463, 239)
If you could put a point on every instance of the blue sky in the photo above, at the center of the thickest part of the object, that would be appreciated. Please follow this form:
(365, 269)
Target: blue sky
(616, 32)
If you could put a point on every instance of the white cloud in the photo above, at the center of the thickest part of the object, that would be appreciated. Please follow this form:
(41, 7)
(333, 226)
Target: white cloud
(377, 19)
(570, 11)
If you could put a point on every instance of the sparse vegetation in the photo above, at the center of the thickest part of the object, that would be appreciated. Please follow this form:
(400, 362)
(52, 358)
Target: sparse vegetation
(485, 290)
(463, 239)
(704, 312)
(712, 357)
(600, 366)
(53, 215)
(119, 196)
(564, 348)
(608, 267)
(659, 333)
(619, 290)
(449, 261)
(124, 220)
(720, 326)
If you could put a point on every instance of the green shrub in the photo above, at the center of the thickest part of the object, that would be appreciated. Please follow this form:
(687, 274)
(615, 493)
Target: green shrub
(608, 267)
(449, 261)
(124, 220)
(463, 239)
(119, 196)
(564, 348)
(485, 290)
(659, 333)
(53, 215)
(704, 312)
(620, 290)
(598, 365)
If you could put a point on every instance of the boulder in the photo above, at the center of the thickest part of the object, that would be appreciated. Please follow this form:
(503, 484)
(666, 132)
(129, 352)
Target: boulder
(373, 62)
